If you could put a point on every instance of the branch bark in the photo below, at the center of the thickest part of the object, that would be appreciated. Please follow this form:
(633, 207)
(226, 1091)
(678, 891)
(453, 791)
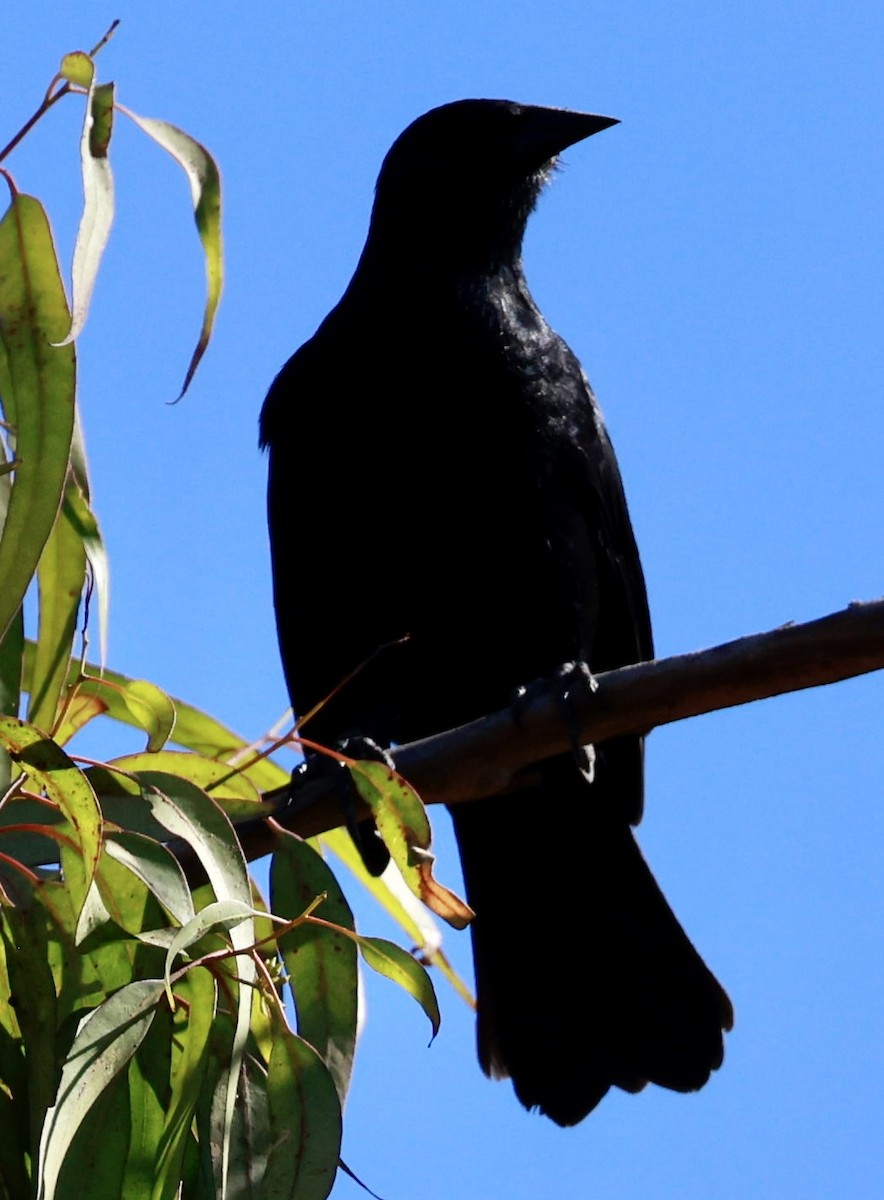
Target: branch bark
(495, 754)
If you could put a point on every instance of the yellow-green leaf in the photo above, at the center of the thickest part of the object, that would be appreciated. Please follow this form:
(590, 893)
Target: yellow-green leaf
(77, 67)
(152, 709)
(397, 964)
(402, 822)
(231, 791)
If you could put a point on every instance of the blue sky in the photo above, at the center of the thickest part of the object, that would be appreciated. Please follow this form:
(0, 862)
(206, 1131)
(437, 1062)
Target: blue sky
(717, 263)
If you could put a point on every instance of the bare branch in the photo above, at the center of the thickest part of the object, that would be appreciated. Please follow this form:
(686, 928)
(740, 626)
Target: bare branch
(495, 754)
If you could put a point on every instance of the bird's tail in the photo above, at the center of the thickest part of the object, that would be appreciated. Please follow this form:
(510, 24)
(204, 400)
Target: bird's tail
(585, 978)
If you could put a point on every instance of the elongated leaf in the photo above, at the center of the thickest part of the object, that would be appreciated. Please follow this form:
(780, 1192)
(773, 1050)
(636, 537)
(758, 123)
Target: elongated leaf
(33, 999)
(224, 916)
(104, 1044)
(148, 1073)
(321, 962)
(77, 506)
(12, 648)
(191, 1052)
(12, 643)
(100, 1145)
(305, 1121)
(397, 964)
(98, 197)
(238, 1174)
(231, 791)
(189, 813)
(205, 189)
(40, 401)
(156, 867)
(193, 728)
(402, 822)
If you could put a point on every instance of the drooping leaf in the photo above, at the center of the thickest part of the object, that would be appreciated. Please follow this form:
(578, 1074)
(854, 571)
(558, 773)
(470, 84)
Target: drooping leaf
(397, 964)
(205, 189)
(77, 505)
(105, 1042)
(98, 201)
(157, 868)
(224, 916)
(187, 812)
(402, 822)
(305, 1121)
(152, 709)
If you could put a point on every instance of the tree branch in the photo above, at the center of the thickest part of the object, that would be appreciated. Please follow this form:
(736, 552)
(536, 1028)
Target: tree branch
(495, 754)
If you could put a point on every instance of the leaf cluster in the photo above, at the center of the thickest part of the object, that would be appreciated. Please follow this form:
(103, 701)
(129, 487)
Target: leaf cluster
(146, 1039)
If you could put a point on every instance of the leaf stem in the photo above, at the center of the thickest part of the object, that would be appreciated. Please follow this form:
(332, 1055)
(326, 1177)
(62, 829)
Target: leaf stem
(51, 98)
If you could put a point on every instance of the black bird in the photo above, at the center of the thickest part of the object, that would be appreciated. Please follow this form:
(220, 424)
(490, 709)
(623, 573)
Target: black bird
(439, 468)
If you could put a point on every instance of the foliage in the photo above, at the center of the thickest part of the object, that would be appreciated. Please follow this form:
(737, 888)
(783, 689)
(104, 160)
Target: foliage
(144, 1037)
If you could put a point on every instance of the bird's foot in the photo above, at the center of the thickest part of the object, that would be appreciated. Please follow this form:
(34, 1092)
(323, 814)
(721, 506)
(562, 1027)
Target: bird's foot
(575, 680)
(570, 683)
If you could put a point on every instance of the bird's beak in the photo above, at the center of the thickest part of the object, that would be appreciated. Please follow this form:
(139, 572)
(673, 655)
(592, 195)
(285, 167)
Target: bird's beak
(549, 131)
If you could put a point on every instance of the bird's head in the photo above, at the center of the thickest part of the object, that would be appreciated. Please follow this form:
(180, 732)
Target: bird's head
(467, 175)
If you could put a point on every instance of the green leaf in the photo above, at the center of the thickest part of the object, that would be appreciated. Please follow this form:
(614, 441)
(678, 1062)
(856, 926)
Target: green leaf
(404, 908)
(152, 709)
(12, 646)
(205, 189)
(40, 400)
(230, 791)
(77, 507)
(397, 964)
(60, 575)
(223, 916)
(321, 962)
(100, 1146)
(12, 643)
(190, 1057)
(193, 728)
(148, 1090)
(32, 998)
(402, 822)
(53, 772)
(156, 867)
(98, 206)
(187, 812)
(305, 1121)
(105, 1042)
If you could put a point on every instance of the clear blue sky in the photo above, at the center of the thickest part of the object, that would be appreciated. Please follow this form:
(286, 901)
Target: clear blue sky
(717, 262)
